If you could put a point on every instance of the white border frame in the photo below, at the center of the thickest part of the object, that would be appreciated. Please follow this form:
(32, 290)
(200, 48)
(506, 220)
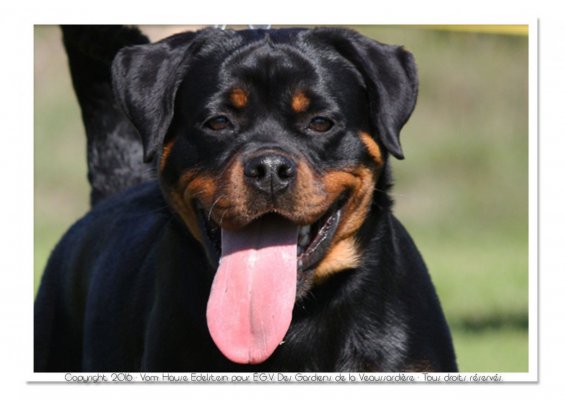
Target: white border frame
(533, 234)
(17, 20)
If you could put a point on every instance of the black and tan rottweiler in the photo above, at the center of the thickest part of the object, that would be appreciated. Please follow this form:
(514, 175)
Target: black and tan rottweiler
(265, 239)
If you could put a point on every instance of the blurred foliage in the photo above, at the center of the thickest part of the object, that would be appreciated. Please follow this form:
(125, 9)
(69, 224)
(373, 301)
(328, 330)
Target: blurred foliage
(462, 190)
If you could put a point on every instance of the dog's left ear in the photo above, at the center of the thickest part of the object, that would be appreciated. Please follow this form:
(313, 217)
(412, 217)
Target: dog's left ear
(145, 79)
(390, 76)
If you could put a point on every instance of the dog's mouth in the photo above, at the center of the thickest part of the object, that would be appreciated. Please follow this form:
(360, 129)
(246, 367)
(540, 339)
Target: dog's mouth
(254, 289)
(313, 240)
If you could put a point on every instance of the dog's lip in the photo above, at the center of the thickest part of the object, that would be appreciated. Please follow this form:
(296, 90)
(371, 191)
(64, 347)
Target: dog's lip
(312, 250)
(314, 240)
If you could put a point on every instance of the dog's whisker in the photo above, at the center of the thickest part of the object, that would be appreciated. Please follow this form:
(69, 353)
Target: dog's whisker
(213, 204)
(193, 195)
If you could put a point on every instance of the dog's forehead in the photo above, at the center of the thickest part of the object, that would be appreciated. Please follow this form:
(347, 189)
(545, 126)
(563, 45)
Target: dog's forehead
(267, 69)
(263, 63)
(279, 61)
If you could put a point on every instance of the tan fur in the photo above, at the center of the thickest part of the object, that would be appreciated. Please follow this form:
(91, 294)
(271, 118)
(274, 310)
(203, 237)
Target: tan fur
(342, 255)
(192, 185)
(238, 98)
(361, 183)
(300, 102)
(165, 154)
(231, 204)
(372, 148)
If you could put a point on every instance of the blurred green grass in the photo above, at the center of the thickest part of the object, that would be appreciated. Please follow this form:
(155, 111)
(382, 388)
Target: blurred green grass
(60, 185)
(462, 190)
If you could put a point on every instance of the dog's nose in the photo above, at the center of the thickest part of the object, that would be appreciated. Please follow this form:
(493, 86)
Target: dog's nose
(270, 173)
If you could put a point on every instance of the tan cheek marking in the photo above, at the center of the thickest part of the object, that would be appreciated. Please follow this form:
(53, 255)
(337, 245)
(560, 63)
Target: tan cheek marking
(343, 255)
(361, 182)
(310, 200)
(189, 187)
(165, 154)
(372, 147)
(238, 98)
(224, 197)
(201, 187)
(299, 102)
(233, 208)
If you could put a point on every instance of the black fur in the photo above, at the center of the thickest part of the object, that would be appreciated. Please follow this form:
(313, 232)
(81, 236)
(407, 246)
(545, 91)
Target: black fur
(126, 288)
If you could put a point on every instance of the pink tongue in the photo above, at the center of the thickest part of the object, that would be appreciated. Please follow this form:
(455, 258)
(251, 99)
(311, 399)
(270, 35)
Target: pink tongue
(253, 293)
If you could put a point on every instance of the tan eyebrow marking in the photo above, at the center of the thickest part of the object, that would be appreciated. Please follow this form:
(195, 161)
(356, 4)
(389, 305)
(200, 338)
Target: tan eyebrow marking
(300, 102)
(238, 97)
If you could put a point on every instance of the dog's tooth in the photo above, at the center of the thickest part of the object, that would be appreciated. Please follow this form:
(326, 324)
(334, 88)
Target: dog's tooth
(304, 239)
(303, 236)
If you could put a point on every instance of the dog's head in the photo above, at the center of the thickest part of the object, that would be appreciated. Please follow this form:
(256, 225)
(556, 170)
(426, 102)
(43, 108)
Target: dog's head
(270, 146)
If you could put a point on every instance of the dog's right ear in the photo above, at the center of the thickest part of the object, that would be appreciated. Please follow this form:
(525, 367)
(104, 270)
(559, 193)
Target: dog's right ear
(390, 78)
(145, 79)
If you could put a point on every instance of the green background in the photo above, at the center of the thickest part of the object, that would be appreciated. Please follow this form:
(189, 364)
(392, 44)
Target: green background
(462, 190)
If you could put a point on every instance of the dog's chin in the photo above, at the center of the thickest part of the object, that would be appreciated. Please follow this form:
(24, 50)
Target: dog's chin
(313, 241)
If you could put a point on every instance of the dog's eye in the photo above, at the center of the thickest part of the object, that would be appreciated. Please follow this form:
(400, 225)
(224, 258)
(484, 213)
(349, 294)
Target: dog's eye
(320, 124)
(218, 123)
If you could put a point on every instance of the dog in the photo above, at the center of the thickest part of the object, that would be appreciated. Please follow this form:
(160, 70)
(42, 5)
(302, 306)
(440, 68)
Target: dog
(257, 234)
